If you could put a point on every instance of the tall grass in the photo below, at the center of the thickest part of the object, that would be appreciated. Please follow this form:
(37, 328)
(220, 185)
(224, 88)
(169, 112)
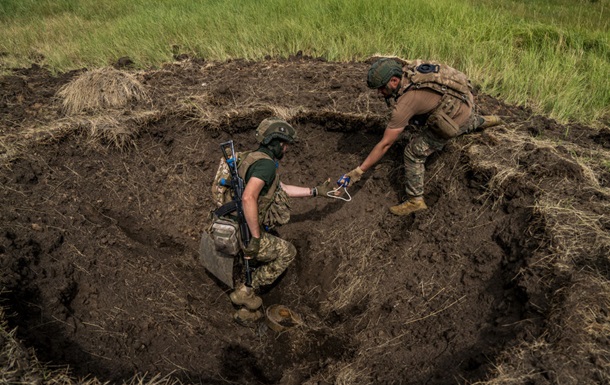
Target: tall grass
(551, 55)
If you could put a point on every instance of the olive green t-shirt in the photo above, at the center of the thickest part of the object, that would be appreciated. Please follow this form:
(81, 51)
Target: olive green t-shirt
(263, 169)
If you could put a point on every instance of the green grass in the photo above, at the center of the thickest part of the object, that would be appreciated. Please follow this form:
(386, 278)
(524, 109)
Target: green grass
(550, 55)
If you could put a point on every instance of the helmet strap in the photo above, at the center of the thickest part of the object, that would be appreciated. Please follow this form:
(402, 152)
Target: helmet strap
(388, 102)
(395, 93)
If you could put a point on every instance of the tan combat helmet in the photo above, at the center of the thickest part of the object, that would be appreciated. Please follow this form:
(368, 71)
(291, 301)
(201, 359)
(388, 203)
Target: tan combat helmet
(275, 128)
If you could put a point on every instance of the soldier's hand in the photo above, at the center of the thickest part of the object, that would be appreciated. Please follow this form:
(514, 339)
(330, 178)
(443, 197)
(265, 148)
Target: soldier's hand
(351, 177)
(251, 251)
(323, 189)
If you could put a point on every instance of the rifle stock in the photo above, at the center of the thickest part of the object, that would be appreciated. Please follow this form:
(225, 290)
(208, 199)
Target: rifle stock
(237, 185)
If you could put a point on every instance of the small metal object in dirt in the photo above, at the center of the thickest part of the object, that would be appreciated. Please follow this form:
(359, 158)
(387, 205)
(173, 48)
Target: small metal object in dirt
(280, 318)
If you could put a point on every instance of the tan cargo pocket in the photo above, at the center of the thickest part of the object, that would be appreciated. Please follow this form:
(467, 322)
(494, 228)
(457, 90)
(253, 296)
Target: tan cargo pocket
(442, 125)
(225, 233)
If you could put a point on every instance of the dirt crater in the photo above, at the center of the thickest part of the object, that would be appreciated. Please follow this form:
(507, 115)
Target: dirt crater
(99, 244)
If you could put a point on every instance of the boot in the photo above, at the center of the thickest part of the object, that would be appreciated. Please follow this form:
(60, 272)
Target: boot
(247, 298)
(410, 206)
(486, 121)
(246, 317)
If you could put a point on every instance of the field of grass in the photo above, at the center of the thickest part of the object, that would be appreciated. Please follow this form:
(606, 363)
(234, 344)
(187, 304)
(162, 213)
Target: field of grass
(550, 55)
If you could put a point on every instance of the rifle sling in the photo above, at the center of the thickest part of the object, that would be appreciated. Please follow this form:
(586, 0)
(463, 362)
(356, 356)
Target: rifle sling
(226, 209)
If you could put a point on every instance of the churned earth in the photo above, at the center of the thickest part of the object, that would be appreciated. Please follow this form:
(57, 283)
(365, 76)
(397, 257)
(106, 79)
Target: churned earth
(102, 212)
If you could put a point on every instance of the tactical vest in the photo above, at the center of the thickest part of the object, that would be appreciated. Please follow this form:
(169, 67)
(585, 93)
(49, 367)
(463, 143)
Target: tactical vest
(273, 207)
(453, 86)
(438, 77)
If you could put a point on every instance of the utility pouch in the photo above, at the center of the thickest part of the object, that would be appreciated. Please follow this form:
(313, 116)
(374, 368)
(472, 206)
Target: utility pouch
(225, 233)
(442, 125)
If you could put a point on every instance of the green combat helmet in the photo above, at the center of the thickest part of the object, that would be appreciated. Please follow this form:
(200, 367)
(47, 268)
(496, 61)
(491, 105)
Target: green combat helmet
(382, 71)
(275, 128)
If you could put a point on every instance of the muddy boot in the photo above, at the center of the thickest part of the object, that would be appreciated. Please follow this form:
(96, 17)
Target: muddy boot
(247, 317)
(486, 121)
(410, 206)
(244, 296)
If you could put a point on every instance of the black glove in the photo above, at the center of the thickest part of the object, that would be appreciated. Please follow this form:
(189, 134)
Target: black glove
(251, 251)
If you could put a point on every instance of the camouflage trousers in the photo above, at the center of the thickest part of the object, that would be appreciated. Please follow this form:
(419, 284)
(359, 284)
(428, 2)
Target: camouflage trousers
(274, 257)
(422, 144)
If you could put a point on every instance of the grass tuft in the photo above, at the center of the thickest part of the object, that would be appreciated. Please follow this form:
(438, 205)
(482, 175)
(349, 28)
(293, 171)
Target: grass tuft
(104, 88)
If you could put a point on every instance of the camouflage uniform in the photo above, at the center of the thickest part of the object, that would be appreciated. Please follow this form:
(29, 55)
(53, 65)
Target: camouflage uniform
(423, 143)
(420, 146)
(275, 254)
(455, 102)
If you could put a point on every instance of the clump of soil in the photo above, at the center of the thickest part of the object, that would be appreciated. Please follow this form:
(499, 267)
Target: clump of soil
(99, 237)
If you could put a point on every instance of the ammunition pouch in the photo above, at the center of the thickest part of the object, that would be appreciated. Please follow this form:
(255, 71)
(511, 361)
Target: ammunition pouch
(277, 210)
(441, 122)
(442, 125)
(225, 234)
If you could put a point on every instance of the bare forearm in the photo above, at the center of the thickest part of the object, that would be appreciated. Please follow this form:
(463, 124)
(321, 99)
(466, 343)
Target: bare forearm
(375, 155)
(251, 214)
(297, 191)
(390, 135)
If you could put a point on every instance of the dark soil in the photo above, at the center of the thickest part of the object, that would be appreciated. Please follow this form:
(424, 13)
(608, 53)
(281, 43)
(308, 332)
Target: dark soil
(99, 245)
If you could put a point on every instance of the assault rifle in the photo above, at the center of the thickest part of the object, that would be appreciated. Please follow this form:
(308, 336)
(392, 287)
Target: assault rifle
(237, 186)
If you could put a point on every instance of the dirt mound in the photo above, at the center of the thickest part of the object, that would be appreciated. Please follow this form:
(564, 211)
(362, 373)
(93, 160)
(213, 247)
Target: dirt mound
(99, 241)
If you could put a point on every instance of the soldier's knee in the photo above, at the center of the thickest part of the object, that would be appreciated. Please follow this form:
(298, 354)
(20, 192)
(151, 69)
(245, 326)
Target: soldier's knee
(409, 157)
(416, 151)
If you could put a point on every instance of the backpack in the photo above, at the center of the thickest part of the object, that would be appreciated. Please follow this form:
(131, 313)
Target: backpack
(438, 77)
(224, 231)
(221, 192)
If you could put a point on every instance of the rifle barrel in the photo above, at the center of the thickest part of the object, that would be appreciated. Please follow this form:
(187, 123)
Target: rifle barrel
(238, 187)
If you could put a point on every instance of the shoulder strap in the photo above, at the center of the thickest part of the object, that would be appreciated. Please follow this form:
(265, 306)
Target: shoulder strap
(248, 160)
